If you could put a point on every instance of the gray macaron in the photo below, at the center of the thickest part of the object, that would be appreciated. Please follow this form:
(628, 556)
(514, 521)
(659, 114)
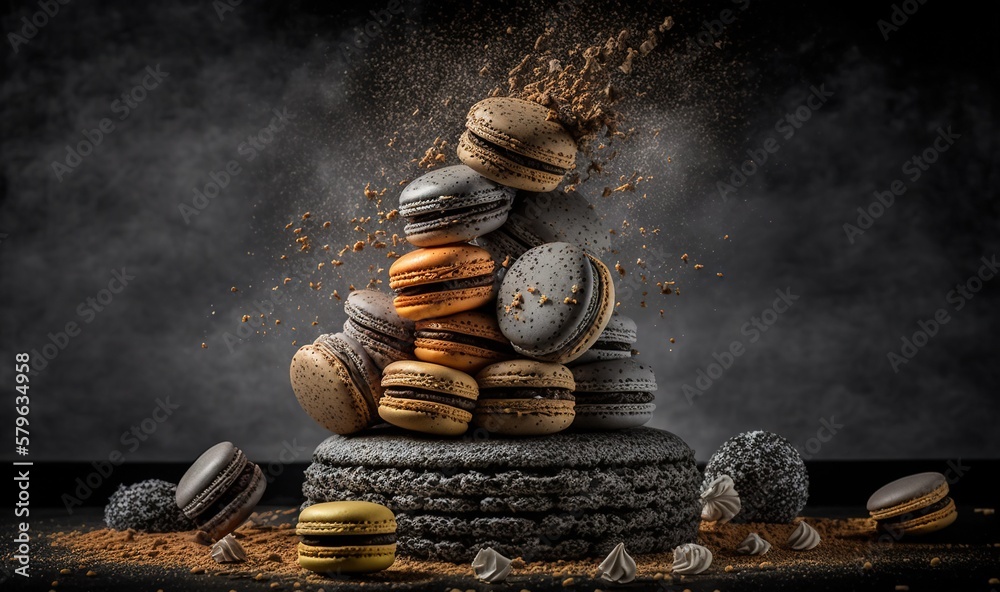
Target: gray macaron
(615, 342)
(554, 302)
(373, 322)
(452, 204)
(613, 394)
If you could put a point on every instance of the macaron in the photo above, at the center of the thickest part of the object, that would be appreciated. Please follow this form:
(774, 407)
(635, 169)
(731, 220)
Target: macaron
(346, 537)
(554, 302)
(373, 322)
(336, 383)
(613, 394)
(428, 398)
(220, 490)
(524, 398)
(452, 204)
(917, 504)
(517, 143)
(615, 342)
(467, 341)
(551, 217)
(440, 281)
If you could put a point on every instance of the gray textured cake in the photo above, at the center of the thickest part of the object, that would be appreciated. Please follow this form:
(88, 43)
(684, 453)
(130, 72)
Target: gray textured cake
(564, 496)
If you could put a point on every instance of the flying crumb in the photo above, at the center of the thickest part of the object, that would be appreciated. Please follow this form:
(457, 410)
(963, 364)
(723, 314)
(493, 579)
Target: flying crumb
(234, 289)
(204, 345)
(246, 318)
(543, 299)
(718, 274)
(698, 266)
(684, 257)
(306, 215)
(672, 340)
(569, 300)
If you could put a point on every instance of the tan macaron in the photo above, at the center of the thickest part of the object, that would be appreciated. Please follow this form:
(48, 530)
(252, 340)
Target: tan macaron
(467, 341)
(517, 143)
(525, 398)
(427, 398)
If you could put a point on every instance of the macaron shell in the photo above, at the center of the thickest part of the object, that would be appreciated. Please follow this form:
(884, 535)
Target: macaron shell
(458, 228)
(525, 373)
(431, 377)
(424, 416)
(449, 188)
(237, 512)
(611, 376)
(353, 559)
(907, 494)
(374, 309)
(601, 355)
(208, 478)
(379, 351)
(460, 356)
(345, 517)
(524, 417)
(495, 166)
(612, 417)
(525, 127)
(439, 264)
(325, 390)
(443, 303)
(931, 522)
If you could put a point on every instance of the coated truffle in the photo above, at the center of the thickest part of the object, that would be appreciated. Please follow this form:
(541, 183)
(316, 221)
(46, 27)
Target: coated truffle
(767, 471)
(148, 506)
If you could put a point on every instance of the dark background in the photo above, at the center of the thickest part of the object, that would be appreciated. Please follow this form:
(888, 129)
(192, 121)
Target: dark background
(825, 359)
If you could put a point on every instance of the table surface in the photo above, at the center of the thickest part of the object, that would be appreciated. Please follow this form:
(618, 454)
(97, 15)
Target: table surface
(970, 548)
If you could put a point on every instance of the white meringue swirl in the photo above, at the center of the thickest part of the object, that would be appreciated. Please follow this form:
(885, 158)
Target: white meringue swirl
(691, 559)
(720, 500)
(753, 545)
(491, 566)
(618, 566)
(803, 538)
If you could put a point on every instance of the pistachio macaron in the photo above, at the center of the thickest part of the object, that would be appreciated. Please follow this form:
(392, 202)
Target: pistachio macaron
(336, 383)
(220, 490)
(554, 302)
(524, 398)
(440, 281)
(467, 341)
(428, 398)
(373, 322)
(517, 143)
(346, 537)
(452, 204)
(613, 394)
(916, 504)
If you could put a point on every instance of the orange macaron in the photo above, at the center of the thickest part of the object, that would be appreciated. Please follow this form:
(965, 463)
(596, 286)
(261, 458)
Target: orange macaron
(442, 281)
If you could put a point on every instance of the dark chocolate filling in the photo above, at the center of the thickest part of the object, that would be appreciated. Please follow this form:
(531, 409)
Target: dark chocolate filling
(432, 396)
(458, 213)
(241, 484)
(474, 341)
(459, 284)
(350, 540)
(622, 398)
(515, 157)
(554, 394)
(936, 506)
(612, 346)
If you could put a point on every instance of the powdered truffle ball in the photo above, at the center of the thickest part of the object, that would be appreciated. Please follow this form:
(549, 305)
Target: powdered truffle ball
(148, 506)
(767, 472)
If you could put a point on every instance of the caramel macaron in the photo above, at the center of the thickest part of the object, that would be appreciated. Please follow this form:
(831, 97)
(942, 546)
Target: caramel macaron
(468, 341)
(525, 398)
(441, 281)
(428, 398)
(517, 143)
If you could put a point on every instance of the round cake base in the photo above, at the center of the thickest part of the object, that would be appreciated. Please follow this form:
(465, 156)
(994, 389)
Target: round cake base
(566, 496)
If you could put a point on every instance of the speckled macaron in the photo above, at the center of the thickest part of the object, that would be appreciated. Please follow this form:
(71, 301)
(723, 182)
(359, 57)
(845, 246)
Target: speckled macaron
(768, 473)
(916, 504)
(452, 204)
(517, 143)
(615, 342)
(428, 398)
(373, 322)
(441, 281)
(467, 341)
(554, 302)
(524, 398)
(220, 490)
(550, 217)
(613, 394)
(336, 383)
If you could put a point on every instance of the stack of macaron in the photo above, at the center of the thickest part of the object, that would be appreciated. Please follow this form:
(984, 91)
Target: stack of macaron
(485, 334)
